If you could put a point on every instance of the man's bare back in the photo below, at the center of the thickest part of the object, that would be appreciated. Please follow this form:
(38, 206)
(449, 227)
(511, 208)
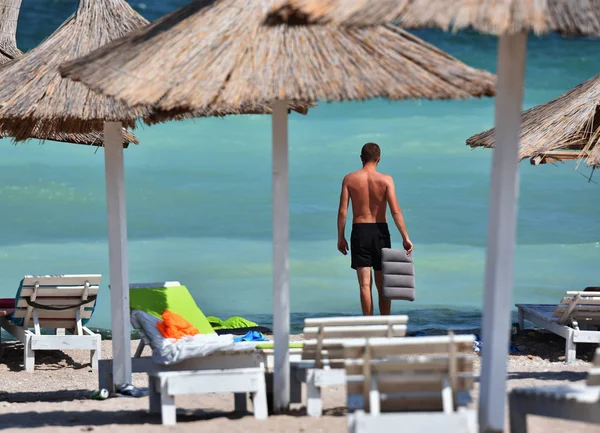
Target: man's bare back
(367, 190)
(370, 193)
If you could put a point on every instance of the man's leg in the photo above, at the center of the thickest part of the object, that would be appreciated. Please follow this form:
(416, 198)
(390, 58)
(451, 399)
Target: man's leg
(365, 282)
(385, 306)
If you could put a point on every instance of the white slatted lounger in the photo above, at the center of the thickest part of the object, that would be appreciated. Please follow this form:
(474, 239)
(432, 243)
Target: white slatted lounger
(58, 303)
(322, 354)
(239, 370)
(576, 403)
(576, 319)
(413, 384)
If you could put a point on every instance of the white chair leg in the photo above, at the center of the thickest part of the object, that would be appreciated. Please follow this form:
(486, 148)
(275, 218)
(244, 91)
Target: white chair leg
(154, 395)
(95, 355)
(447, 400)
(167, 406)
(240, 400)
(259, 401)
(570, 348)
(28, 355)
(314, 404)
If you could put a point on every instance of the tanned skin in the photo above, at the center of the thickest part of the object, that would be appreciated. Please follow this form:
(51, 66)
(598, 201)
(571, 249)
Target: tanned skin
(370, 192)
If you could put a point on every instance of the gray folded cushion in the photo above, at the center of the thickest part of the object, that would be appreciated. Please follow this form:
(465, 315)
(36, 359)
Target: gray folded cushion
(398, 275)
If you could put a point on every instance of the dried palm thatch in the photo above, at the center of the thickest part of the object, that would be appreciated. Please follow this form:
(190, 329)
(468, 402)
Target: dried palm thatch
(216, 53)
(95, 138)
(487, 16)
(594, 159)
(9, 15)
(567, 127)
(36, 101)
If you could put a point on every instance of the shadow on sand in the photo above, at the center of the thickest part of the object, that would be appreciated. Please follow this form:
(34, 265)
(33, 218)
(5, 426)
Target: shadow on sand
(97, 418)
(12, 355)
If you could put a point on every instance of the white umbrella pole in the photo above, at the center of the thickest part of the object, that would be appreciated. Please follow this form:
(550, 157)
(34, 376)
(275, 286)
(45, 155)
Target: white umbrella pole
(117, 250)
(502, 224)
(281, 261)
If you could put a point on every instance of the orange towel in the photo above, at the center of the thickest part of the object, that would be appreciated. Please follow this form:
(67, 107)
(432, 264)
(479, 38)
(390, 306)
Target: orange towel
(175, 326)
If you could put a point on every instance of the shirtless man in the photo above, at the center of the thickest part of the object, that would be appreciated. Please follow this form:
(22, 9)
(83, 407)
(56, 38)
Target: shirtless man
(370, 193)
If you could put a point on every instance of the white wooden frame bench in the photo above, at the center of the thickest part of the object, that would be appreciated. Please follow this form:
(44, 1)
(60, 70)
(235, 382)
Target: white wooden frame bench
(55, 302)
(165, 385)
(419, 383)
(575, 403)
(240, 371)
(145, 364)
(576, 319)
(322, 362)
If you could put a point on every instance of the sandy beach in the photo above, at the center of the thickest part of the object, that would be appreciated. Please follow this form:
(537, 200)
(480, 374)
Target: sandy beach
(55, 398)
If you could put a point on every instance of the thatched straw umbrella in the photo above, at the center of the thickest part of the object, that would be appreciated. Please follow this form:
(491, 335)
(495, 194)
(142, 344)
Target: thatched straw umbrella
(300, 64)
(511, 20)
(496, 17)
(35, 101)
(567, 127)
(594, 159)
(212, 54)
(9, 15)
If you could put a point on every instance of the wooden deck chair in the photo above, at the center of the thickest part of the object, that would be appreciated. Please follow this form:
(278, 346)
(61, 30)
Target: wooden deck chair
(322, 362)
(576, 319)
(576, 403)
(419, 383)
(238, 370)
(55, 303)
(156, 297)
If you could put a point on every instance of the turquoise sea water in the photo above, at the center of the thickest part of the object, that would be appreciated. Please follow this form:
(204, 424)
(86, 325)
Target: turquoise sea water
(199, 197)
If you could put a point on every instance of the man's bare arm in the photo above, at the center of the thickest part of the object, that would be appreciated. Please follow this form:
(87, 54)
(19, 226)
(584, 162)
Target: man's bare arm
(342, 216)
(396, 212)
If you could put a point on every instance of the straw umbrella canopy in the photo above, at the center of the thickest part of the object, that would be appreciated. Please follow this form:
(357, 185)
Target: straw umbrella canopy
(511, 20)
(212, 54)
(567, 127)
(194, 59)
(9, 15)
(594, 159)
(33, 96)
(495, 17)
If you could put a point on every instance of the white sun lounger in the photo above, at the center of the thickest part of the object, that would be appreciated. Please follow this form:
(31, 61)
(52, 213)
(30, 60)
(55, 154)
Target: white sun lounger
(576, 319)
(576, 403)
(145, 364)
(54, 302)
(413, 384)
(237, 368)
(322, 362)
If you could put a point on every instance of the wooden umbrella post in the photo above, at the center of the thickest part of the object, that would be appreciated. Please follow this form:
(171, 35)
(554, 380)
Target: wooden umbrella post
(281, 261)
(117, 251)
(502, 224)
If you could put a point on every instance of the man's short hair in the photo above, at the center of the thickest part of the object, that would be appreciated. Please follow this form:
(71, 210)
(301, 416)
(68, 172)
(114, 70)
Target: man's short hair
(370, 152)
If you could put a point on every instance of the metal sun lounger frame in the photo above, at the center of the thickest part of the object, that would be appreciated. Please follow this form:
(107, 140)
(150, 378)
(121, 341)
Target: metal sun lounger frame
(570, 319)
(55, 302)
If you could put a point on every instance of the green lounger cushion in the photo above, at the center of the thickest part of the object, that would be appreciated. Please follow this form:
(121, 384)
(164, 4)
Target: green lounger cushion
(270, 345)
(235, 322)
(154, 299)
